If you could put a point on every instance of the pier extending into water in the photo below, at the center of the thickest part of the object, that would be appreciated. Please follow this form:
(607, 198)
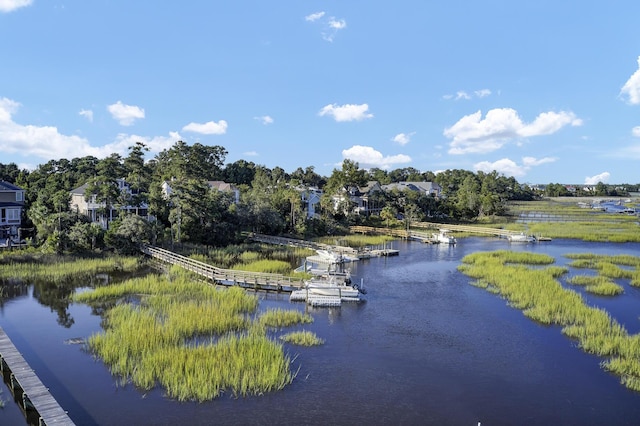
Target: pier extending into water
(435, 226)
(25, 384)
(340, 250)
(245, 279)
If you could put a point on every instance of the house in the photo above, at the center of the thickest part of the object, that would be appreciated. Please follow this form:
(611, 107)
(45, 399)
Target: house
(217, 185)
(311, 199)
(426, 188)
(97, 211)
(225, 187)
(363, 199)
(11, 205)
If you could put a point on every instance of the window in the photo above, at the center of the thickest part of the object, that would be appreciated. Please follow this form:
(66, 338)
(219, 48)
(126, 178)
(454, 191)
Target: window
(13, 215)
(19, 196)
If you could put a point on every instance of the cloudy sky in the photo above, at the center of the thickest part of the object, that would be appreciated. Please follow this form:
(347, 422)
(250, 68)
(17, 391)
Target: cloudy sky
(545, 91)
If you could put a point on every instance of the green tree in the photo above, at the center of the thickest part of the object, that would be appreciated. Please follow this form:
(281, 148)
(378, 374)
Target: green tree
(104, 186)
(128, 234)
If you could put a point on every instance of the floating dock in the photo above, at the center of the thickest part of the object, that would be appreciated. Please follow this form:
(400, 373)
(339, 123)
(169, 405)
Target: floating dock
(24, 384)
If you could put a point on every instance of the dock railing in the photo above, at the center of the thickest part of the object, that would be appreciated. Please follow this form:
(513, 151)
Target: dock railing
(256, 280)
(24, 383)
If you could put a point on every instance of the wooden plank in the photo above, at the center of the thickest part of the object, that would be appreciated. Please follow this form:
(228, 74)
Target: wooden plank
(44, 403)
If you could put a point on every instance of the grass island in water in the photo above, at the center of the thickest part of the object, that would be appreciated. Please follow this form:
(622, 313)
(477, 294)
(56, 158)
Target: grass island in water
(538, 293)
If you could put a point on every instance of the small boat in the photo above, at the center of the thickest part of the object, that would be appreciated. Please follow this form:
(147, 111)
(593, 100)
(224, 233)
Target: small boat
(334, 284)
(521, 238)
(329, 256)
(443, 237)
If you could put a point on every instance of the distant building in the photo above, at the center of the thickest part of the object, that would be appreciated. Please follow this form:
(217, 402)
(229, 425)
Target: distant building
(97, 211)
(11, 205)
(427, 188)
(362, 199)
(217, 185)
(311, 199)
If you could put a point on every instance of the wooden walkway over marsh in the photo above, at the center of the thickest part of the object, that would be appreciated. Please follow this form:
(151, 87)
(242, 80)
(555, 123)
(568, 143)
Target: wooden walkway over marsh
(245, 279)
(24, 384)
(435, 226)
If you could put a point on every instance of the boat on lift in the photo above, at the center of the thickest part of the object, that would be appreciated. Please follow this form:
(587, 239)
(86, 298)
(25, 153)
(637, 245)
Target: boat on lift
(521, 238)
(443, 237)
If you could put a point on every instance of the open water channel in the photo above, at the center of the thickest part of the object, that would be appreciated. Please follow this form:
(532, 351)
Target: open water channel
(425, 348)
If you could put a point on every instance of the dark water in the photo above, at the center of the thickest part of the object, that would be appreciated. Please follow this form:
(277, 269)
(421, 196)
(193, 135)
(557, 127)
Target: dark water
(426, 348)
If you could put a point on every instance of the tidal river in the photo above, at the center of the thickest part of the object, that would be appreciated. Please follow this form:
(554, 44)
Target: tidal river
(425, 348)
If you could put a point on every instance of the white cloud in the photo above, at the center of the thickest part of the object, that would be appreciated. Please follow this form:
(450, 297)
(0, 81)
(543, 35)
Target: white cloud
(125, 114)
(87, 113)
(47, 143)
(532, 161)
(602, 177)
(337, 24)
(250, 153)
(11, 5)
(8, 107)
(314, 16)
(472, 134)
(636, 131)
(463, 95)
(264, 119)
(155, 144)
(367, 157)
(331, 25)
(208, 128)
(632, 87)
(509, 167)
(403, 138)
(347, 112)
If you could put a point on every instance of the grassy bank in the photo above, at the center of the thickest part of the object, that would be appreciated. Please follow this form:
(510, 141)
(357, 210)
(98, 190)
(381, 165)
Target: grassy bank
(195, 340)
(538, 293)
(53, 268)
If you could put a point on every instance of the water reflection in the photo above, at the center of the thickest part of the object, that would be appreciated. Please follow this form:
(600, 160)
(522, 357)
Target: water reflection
(425, 348)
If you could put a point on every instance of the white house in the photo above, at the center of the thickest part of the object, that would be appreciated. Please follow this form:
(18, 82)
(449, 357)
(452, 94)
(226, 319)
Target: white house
(311, 199)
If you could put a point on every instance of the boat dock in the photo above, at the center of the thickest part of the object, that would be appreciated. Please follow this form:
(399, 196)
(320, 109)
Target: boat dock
(25, 385)
(230, 277)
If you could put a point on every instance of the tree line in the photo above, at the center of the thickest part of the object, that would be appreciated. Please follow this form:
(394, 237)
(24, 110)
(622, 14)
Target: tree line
(270, 200)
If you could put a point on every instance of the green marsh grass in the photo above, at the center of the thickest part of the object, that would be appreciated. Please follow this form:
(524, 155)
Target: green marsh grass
(279, 318)
(302, 338)
(195, 340)
(599, 285)
(356, 240)
(537, 292)
(55, 269)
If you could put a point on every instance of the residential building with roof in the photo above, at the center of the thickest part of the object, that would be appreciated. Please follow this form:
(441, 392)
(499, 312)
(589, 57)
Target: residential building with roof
(98, 212)
(11, 206)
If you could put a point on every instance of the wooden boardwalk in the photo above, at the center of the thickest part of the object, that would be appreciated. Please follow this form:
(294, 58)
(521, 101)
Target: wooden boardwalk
(245, 279)
(283, 241)
(23, 380)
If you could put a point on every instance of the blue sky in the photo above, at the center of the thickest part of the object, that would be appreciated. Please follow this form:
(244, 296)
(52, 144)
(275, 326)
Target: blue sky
(545, 91)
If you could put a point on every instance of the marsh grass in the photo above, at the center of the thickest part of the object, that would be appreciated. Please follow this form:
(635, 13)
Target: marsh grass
(56, 269)
(537, 292)
(265, 265)
(599, 285)
(356, 240)
(302, 338)
(279, 318)
(240, 255)
(197, 341)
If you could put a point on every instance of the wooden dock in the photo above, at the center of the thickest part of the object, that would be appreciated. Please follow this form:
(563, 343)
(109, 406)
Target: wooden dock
(245, 279)
(24, 383)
